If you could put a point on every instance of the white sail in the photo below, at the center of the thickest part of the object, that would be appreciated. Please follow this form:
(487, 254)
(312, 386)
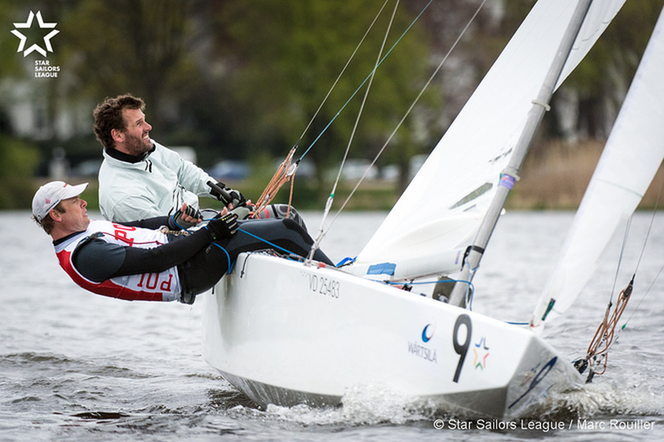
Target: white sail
(633, 153)
(439, 213)
(292, 343)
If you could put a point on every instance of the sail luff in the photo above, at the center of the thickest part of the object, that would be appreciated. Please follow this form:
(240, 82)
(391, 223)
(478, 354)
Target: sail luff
(631, 158)
(443, 206)
(511, 173)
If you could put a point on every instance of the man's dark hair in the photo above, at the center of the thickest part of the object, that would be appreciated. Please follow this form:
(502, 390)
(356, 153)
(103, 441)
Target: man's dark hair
(108, 116)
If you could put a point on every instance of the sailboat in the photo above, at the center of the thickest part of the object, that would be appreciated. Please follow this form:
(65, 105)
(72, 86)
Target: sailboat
(315, 331)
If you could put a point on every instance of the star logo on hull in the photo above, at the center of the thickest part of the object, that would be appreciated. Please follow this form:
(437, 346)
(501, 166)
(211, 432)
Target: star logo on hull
(24, 39)
(481, 352)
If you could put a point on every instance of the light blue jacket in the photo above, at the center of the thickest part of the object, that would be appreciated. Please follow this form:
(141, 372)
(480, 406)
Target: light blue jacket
(155, 186)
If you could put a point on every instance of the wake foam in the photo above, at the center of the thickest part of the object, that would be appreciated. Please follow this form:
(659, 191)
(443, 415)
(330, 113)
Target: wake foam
(377, 404)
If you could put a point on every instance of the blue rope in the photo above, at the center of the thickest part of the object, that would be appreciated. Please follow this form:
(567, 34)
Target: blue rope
(178, 225)
(228, 256)
(269, 243)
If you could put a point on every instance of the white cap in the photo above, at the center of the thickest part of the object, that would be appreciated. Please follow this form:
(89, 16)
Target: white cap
(49, 195)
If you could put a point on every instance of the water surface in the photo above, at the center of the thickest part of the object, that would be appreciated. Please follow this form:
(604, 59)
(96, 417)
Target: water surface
(77, 366)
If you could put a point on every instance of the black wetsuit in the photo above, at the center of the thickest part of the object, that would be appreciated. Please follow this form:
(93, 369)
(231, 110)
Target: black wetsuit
(201, 262)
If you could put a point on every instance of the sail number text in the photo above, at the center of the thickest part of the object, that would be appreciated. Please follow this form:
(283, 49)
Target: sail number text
(461, 345)
(324, 286)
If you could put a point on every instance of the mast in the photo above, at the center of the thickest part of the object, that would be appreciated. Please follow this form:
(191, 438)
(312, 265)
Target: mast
(510, 175)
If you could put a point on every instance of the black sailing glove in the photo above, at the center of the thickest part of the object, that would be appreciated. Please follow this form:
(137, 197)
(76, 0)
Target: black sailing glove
(176, 222)
(226, 195)
(223, 227)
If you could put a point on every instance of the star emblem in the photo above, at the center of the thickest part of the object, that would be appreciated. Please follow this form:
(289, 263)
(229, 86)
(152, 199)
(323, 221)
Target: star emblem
(28, 25)
(481, 352)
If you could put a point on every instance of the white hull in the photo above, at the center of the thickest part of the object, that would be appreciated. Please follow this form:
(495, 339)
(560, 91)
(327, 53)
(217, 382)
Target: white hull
(286, 333)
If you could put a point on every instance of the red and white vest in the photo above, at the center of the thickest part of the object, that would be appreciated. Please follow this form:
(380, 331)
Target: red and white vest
(164, 286)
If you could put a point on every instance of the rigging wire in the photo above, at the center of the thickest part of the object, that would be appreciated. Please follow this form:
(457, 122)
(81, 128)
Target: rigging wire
(652, 221)
(628, 227)
(597, 353)
(330, 199)
(279, 179)
(661, 269)
(650, 226)
(367, 78)
(389, 139)
(286, 170)
(341, 73)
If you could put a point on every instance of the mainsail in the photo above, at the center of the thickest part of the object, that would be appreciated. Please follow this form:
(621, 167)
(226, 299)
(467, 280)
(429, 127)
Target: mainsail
(440, 211)
(631, 157)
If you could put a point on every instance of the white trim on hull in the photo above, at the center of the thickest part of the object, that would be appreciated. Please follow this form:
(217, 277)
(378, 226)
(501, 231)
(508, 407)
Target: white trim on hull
(286, 333)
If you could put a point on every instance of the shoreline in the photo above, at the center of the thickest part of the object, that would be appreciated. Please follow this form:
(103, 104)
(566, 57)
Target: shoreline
(554, 177)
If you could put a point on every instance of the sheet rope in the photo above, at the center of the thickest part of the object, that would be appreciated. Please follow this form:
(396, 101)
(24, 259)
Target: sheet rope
(597, 355)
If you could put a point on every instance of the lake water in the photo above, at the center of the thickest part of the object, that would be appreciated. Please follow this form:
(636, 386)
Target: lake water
(76, 366)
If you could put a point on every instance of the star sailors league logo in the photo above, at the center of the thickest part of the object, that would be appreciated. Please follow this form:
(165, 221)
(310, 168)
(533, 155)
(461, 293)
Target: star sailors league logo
(27, 33)
(28, 25)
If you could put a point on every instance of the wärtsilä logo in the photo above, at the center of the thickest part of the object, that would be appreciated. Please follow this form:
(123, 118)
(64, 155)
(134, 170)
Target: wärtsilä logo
(423, 351)
(427, 333)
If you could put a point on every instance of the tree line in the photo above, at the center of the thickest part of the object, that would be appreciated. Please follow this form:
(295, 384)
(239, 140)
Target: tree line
(247, 79)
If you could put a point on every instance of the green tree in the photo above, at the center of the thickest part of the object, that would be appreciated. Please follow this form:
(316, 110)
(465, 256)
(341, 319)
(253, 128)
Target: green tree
(11, 65)
(143, 47)
(602, 79)
(287, 54)
(17, 162)
(18, 159)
